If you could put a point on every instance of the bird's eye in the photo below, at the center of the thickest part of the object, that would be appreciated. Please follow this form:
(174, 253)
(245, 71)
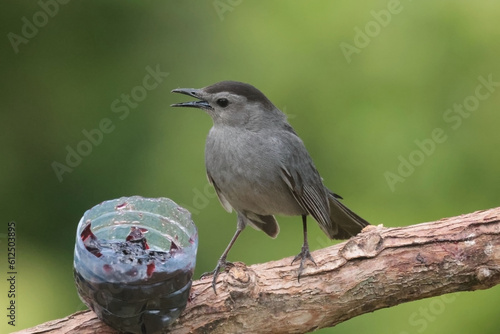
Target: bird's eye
(222, 102)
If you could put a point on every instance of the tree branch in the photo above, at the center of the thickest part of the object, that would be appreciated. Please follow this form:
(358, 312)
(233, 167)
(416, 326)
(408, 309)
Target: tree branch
(381, 267)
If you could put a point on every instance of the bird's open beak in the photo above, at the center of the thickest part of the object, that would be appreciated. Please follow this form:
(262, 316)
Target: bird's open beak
(201, 104)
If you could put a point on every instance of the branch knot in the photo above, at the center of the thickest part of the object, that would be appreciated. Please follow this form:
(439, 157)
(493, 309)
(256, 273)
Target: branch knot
(365, 245)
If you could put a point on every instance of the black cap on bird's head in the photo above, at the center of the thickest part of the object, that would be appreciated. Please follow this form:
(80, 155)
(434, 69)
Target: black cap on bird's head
(239, 88)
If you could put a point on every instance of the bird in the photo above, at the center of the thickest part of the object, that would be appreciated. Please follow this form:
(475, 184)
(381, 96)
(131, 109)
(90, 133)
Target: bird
(260, 168)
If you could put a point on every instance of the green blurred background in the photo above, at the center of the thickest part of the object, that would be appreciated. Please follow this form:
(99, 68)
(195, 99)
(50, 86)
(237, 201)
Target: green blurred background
(357, 115)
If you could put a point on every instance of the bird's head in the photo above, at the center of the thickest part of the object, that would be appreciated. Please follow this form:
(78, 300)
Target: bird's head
(233, 103)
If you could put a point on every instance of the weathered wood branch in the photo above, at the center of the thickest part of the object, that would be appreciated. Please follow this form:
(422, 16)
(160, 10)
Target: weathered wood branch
(381, 267)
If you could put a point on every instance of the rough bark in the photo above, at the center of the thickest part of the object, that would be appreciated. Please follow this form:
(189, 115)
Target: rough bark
(381, 267)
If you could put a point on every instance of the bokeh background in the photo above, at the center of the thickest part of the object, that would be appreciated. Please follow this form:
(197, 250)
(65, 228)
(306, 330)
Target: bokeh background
(359, 103)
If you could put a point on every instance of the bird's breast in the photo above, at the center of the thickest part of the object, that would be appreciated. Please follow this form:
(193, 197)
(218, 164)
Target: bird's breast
(245, 167)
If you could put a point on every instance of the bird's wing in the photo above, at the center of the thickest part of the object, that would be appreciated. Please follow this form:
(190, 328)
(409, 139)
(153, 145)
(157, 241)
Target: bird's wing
(222, 199)
(310, 194)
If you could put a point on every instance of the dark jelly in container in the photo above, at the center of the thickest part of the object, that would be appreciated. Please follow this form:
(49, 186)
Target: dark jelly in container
(134, 259)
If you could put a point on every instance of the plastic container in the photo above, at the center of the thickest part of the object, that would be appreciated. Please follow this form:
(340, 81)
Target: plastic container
(134, 260)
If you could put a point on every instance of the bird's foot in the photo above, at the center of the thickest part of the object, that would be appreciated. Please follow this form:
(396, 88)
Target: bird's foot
(304, 255)
(222, 264)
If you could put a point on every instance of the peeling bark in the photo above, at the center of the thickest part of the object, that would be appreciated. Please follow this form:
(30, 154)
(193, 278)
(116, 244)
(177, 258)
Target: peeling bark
(380, 267)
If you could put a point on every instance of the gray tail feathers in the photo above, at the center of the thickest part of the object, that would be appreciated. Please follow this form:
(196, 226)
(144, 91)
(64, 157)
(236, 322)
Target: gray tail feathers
(345, 223)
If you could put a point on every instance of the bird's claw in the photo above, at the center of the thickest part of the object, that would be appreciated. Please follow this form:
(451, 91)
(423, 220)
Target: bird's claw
(222, 264)
(304, 255)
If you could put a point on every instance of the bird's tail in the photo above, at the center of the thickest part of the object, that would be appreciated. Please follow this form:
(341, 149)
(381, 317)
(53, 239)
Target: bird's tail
(345, 223)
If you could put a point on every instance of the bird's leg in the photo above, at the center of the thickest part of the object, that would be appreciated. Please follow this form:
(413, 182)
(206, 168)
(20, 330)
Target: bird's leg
(304, 253)
(222, 263)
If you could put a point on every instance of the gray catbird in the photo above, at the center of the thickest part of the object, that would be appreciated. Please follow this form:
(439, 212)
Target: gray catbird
(260, 167)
